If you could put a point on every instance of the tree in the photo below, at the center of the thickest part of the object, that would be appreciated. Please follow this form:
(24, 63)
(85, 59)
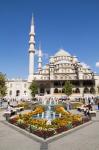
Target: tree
(68, 88)
(3, 88)
(33, 88)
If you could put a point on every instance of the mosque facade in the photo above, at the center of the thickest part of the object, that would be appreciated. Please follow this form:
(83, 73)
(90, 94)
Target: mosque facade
(51, 78)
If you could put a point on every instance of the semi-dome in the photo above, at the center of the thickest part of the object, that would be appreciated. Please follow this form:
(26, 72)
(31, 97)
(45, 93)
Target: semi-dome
(62, 52)
(63, 62)
(84, 65)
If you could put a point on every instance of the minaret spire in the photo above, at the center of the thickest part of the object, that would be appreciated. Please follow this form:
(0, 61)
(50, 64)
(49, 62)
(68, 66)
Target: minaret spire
(32, 20)
(39, 59)
(31, 51)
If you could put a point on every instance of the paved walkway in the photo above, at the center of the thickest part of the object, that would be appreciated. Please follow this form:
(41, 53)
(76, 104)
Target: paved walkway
(86, 138)
(13, 140)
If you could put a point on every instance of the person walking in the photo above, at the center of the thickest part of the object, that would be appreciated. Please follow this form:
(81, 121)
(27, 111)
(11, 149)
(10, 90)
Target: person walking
(98, 105)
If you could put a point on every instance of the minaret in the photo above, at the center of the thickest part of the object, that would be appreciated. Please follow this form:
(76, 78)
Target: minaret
(39, 60)
(31, 51)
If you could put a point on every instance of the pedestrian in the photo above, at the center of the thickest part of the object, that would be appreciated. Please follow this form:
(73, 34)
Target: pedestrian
(67, 105)
(1, 102)
(89, 100)
(98, 105)
(8, 102)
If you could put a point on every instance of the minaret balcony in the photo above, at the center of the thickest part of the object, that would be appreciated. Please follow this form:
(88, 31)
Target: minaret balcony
(39, 61)
(31, 42)
(31, 50)
(32, 34)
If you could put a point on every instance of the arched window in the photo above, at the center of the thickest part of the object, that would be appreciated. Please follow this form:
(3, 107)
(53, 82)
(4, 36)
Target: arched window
(86, 90)
(59, 91)
(62, 90)
(17, 92)
(10, 93)
(92, 90)
(77, 90)
(24, 92)
(55, 90)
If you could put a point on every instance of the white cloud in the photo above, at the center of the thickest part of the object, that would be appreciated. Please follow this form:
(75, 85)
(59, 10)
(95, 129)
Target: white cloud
(45, 55)
(97, 64)
(36, 52)
(44, 67)
(85, 65)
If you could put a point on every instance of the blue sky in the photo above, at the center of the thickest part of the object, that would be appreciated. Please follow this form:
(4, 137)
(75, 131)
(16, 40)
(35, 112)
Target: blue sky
(69, 24)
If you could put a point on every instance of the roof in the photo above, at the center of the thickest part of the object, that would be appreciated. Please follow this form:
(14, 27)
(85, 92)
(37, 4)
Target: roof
(63, 62)
(62, 52)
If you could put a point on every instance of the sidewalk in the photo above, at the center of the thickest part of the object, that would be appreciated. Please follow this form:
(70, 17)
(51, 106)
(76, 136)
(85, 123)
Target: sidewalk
(85, 138)
(10, 139)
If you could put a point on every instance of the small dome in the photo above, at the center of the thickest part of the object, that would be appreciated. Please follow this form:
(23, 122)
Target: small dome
(84, 65)
(51, 59)
(62, 52)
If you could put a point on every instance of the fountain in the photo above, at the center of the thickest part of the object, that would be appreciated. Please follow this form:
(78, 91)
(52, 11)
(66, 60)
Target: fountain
(53, 115)
(42, 115)
(38, 115)
(49, 114)
(60, 115)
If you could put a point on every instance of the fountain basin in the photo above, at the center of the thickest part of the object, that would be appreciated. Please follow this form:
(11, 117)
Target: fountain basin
(49, 116)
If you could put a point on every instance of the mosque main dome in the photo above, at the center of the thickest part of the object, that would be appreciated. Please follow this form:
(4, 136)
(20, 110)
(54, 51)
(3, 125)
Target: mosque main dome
(62, 52)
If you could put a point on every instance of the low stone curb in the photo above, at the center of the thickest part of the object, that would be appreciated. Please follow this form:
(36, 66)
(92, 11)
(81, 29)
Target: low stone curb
(58, 136)
(26, 133)
(50, 139)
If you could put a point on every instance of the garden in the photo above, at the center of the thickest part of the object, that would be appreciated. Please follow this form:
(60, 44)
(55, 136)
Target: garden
(42, 127)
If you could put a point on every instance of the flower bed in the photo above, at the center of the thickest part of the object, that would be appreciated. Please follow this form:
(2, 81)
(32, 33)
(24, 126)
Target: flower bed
(40, 127)
(23, 104)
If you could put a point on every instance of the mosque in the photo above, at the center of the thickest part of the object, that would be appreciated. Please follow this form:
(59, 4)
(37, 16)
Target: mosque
(51, 78)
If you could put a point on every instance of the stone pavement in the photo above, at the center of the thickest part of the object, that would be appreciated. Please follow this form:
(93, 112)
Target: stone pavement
(13, 140)
(85, 138)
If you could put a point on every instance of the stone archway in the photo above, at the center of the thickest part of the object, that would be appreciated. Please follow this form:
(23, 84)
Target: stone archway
(63, 90)
(86, 90)
(77, 90)
(92, 90)
(18, 93)
(55, 90)
(42, 90)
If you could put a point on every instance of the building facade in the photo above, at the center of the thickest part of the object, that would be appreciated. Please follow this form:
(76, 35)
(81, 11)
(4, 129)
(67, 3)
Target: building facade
(51, 78)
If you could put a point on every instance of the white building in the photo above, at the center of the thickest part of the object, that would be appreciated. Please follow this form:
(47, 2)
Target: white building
(51, 78)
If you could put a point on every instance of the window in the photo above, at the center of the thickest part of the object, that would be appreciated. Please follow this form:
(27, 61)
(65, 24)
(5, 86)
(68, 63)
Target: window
(77, 90)
(56, 90)
(24, 92)
(17, 92)
(86, 90)
(10, 93)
